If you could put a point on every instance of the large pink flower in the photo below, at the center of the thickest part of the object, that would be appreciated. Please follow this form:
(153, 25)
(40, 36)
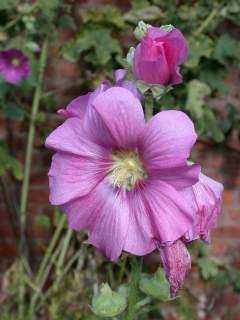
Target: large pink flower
(118, 176)
(159, 55)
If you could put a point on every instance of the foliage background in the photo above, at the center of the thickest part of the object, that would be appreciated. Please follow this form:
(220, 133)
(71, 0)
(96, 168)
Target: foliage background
(89, 39)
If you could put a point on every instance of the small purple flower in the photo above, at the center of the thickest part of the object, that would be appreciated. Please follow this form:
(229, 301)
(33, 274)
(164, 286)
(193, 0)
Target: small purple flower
(158, 56)
(14, 65)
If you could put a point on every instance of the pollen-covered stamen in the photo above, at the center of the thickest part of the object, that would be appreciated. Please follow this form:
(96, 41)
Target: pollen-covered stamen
(126, 170)
(15, 61)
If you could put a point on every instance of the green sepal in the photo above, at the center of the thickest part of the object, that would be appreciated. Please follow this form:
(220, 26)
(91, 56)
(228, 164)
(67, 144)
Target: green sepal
(156, 285)
(167, 27)
(108, 303)
(141, 30)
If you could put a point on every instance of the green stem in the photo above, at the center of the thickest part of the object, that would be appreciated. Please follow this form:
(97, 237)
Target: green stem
(149, 106)
(26, 177)
(207, 21)
(136, 267)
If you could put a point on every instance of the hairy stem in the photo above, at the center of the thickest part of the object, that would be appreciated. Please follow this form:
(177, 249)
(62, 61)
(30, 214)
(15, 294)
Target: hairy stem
(26, 177)
(136, 266)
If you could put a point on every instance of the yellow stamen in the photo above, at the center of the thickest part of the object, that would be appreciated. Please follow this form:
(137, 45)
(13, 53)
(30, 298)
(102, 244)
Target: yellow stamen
(126, 170)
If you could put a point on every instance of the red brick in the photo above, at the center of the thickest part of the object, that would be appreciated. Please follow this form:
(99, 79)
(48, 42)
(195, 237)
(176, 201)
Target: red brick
(227, 231)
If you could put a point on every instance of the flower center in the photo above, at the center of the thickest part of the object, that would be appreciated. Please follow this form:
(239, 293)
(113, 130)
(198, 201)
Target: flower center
(126, 170)
(15, 61)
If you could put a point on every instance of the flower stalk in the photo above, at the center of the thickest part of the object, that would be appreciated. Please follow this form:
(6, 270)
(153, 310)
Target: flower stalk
(26, 177)
(136, 267)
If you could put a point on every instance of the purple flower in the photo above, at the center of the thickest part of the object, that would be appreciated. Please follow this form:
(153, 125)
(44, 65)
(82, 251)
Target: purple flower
(117, 176)
(14, 65)
(78, 106)
(158, 56)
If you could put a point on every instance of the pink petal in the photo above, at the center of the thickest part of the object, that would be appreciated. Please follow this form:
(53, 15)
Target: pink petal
(178, 177)
(169, 213)
(167, 140)
(177, 263)
(105, 212)
(116, 119)
(73, 176)
(153, 68)
(120, 74)
(140, 238)
(78, 107)
(70, 137)
(205, 197)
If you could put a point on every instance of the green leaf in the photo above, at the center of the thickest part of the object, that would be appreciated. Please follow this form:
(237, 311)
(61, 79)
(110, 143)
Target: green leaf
(227, 47)
(199, 47)
(8, 162)
(13, 112)
(212, 125)
(215, 79)
(99, 42)
(8, 4)
(208, 267)
(197, 92)
(108, 303)
(156, 286)
(107, 15)
(148, 13)
(67, 22)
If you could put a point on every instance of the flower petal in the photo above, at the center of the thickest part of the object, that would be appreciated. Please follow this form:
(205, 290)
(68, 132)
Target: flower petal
(105, 212)
(205, 197)
(167, 140)
(153, 68)
(140, 239)
(169, 214)
(71, 138)
(178, 177)
(72, 176)
(116, 119)
(177, 263)
(78, 107)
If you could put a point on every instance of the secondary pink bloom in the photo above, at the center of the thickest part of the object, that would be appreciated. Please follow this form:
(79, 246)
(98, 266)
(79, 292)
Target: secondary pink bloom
(78, 106)
(205, 198)
(158, 56)
(118, 176)
(14, 65)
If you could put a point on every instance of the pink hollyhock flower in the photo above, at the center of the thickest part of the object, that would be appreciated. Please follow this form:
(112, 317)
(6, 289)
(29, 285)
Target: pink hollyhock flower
(116, 175)
(14, 65)
(205, 198)
(78, 106)
(158, 56)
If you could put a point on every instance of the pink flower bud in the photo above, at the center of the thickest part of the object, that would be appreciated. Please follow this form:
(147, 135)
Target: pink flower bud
(158, 56)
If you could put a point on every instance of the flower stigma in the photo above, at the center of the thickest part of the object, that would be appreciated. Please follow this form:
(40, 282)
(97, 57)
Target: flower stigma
(127, 169)
(15, 61)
